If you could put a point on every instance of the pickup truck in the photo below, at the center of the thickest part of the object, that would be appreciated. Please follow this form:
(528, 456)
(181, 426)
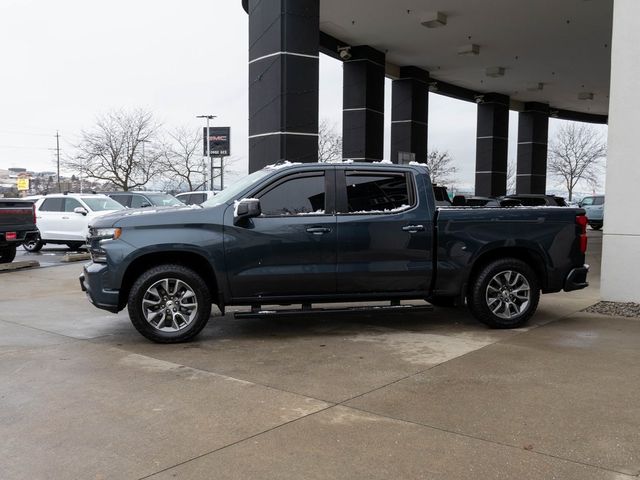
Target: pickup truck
(17, 225)
(317, 233)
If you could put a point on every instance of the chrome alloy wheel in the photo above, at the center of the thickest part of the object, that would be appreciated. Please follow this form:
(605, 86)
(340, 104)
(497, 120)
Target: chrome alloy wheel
(169, 305)
(508, 294)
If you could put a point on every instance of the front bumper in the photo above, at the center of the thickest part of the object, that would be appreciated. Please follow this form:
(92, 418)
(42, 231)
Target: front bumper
(576, 279)
(92, 283)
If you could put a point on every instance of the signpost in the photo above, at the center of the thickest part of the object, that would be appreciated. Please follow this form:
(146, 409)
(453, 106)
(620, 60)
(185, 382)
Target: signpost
(217, 144)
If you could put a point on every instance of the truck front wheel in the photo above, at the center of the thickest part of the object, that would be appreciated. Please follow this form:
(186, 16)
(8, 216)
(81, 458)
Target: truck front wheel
(504, 293)
(169, 304)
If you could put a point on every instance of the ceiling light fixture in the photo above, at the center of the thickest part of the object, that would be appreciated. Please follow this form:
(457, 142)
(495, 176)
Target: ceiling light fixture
(534, 87)
(495, 72)
(585, 96)
(433, 20)
(471, 49)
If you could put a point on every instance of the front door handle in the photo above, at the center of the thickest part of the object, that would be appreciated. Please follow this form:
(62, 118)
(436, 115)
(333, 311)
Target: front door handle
(413, 228)
(65, 218)
(318, 230)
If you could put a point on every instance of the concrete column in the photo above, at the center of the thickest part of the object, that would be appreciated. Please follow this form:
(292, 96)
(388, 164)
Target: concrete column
(491, 145)
(363, 105)
(621, 240)
(409, 113)
(533, 137)
(283, 81)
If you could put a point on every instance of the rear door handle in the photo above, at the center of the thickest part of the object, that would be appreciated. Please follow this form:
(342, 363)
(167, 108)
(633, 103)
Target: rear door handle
(65, 218)
(318, 230)
(413, 228)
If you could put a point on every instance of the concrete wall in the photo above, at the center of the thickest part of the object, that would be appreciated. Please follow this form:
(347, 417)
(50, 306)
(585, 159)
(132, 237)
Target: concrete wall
(621, 241)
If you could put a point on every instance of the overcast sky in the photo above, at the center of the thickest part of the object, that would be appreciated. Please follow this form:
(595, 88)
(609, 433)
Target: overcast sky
(65, 62)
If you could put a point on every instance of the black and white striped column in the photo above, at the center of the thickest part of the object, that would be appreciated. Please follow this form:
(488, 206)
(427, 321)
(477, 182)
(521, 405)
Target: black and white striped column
(363, 105)
(533, 137)
(409, 113)
(283, 81)
(492, 145)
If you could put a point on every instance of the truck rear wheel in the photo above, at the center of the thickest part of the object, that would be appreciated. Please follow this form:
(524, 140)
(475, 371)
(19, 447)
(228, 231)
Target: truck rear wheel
(504, 293)
(169, 304)
(7, 254)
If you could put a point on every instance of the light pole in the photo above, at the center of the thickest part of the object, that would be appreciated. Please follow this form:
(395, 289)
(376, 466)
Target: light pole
(209, 118)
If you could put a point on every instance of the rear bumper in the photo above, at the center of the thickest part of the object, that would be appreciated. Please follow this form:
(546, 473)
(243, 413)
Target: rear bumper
(92, 283)
(576, 279)
(21, 237)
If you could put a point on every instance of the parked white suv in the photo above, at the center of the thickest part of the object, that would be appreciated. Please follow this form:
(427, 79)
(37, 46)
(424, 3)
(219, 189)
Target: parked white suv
(64, 218)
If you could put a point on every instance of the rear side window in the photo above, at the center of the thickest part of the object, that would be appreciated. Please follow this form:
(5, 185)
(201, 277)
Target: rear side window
(295, 196)
(124, 200)
(52, 205)
(377, 193)
(197, 198)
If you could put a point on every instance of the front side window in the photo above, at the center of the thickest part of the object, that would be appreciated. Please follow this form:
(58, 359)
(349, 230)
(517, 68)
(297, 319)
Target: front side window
(102, 204)
(598, 201)
(377, 193)
(52, 205)
(70, 204)
(162, 200)
(138, 201)
(301, 195)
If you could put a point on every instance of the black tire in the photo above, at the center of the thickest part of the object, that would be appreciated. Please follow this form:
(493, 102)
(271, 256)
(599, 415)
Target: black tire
(495, 272)
(146, 281)
(7, 254)
(444, 302)
(75, 246)
(34, 245)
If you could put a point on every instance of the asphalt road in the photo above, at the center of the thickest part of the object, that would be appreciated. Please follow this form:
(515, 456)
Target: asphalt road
(49, 256)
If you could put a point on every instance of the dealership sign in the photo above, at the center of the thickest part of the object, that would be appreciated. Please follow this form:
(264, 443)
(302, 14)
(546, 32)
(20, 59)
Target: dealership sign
(219, 141)
(23, 184)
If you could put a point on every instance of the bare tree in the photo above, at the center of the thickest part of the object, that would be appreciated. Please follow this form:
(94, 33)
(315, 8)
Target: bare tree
(441, 167)
(575, 155)
(329, 142)
(182, 163)
(119, 149)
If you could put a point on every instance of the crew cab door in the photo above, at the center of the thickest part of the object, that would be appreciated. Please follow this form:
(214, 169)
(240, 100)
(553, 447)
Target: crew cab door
(291, 248)
(385, 232)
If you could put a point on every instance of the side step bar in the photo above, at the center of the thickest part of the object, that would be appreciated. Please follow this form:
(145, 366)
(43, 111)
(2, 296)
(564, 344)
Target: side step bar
(394, 307)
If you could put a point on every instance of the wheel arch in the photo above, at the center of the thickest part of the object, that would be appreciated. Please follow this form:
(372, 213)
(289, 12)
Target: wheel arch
(529, 256)
(192, 260)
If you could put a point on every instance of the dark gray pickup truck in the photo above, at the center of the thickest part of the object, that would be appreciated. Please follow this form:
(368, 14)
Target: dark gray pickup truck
(314, 233)
(17, 225)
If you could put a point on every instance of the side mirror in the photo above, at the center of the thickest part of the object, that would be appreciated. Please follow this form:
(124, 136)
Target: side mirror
(80, 210)
(246, 208)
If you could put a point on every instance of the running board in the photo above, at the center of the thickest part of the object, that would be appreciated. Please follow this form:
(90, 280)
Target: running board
(257, 312)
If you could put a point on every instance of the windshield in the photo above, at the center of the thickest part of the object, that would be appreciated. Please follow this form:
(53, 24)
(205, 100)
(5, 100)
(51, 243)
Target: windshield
(163, 200)
(230, 193)
(101, 204)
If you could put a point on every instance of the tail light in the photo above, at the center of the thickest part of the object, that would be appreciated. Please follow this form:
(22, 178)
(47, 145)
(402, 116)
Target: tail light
(33, 209)
(581, 221)
(10, 236)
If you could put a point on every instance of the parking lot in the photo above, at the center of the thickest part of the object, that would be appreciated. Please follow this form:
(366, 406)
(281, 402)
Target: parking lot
(366, 395)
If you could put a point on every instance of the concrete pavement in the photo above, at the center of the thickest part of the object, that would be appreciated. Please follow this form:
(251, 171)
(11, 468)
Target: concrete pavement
(410, 395)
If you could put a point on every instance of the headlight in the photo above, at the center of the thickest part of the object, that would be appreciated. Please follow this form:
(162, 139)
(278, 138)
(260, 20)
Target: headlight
(106, 233)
